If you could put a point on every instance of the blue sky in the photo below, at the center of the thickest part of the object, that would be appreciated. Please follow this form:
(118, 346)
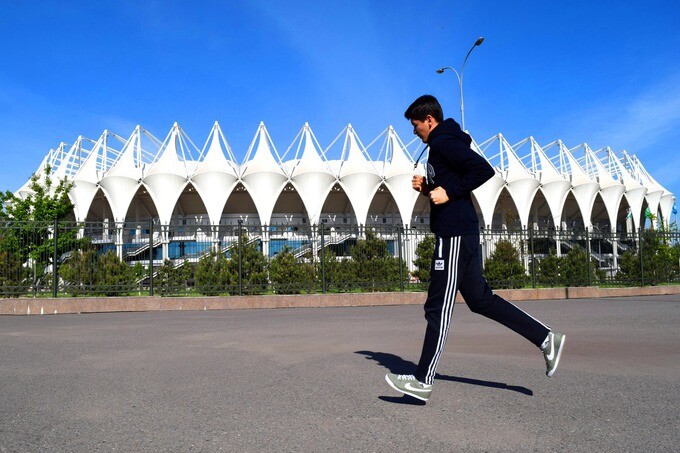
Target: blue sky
(606, 73)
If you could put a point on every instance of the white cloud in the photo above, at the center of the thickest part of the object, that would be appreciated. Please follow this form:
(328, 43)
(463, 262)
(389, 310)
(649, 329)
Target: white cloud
(636, 123)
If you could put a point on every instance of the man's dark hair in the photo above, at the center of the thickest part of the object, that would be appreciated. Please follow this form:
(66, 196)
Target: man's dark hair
(423, 106)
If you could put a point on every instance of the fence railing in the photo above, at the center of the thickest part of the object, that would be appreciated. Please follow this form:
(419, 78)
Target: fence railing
(107, 258)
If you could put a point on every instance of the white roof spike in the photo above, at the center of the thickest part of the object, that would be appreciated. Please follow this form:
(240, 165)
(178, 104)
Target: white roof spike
(216, 154)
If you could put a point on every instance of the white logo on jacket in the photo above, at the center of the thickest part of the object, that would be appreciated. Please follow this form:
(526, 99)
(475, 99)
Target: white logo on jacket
(439, 265)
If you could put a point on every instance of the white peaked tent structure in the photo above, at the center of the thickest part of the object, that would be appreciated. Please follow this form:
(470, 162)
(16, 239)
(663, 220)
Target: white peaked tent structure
(554, 186)
(168, 174)
(262, 174)
(25, 190)
(521, 184)
(216, 175)
(358, 175)
(655, 192)
(397, 174)
(121, 182)
(517, 180)
(140, 180)
(611, 190)
(634, 192)
(487, 194)
(167, 177)
(48, 161)
(583, 187)
(310, 173)
(69, 160)
(86, 179)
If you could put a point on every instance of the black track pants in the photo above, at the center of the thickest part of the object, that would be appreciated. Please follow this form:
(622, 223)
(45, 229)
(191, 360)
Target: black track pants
(456, 265)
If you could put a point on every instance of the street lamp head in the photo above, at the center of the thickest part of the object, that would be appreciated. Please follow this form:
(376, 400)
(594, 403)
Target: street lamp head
(479, 41)
(440, 70)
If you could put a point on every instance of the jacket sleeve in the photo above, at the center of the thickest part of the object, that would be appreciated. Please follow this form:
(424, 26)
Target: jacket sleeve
(469, 169)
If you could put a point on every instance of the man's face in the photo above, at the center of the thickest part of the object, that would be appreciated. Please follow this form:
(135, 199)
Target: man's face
(423, 128)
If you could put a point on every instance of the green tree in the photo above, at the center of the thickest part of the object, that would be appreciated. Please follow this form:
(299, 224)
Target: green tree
(374, 268)
(577, 268)
(213, 275)
(289, 276)
(14, 276)
(659, 260)
(88, 272)
(172, 279)
(423, 261)
(548, 270)
(253, 267)
(28, 225)
(503, 269)
(117, 277)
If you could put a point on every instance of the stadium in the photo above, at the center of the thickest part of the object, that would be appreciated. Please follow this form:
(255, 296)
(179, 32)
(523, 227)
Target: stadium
(195, 196)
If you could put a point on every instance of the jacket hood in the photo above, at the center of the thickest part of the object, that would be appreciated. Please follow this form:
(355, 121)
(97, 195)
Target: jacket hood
(451, 128)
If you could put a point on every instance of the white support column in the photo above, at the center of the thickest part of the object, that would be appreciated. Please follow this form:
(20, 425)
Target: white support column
(265, 241)
(119, 239)
(165, 242)
(214, 235)
(315, 242)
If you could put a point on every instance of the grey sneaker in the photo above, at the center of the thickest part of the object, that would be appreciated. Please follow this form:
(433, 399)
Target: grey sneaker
(409, 385)
(553, 351)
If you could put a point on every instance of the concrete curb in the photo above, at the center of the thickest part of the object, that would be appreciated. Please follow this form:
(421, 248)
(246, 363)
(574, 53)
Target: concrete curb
(26, 306)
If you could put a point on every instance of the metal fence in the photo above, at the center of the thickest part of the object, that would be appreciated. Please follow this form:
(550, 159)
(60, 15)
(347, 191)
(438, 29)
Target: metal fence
(108, 258)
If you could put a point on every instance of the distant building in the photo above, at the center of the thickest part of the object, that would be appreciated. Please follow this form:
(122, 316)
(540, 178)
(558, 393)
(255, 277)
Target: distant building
(123, 184)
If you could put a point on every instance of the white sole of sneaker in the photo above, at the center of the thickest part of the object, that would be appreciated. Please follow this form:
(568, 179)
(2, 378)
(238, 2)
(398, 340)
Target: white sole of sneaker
(391, 384)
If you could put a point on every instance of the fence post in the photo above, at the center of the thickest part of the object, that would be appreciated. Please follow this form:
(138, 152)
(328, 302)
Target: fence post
(401, 267)
(642, 267)
(240, 256)
(151, 257)
(323, 259)
(533, 258)
(590, 277)
(54, 261)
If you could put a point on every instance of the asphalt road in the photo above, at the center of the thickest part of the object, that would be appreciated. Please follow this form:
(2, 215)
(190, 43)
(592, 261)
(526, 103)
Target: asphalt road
(313, 380)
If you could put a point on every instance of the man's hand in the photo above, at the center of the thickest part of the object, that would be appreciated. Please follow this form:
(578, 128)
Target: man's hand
(418, 183)
(438, 195)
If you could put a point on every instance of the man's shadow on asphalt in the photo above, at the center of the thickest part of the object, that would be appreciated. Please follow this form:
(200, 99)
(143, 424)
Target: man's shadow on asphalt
(396, 364)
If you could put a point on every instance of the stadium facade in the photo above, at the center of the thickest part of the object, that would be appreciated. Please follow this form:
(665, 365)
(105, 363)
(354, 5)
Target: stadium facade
(124, 183)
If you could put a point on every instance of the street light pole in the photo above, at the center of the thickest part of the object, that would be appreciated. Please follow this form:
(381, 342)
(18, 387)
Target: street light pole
(479, 41)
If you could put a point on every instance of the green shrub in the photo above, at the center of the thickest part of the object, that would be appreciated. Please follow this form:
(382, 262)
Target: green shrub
(374, 268)
(289, 276)
(172, 279)
(503, 269)
(659, 261)
(423, 261)
(88, 272)
(213, 275)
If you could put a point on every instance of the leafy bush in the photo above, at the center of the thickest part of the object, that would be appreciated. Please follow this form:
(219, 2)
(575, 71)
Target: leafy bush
(423, 261)
(575, 270)
(374, 268)
(172, 279)
(548, 270)
(571, 269)
(503, 269)
(289, 276)
(14, 276)
(88, 272)
(659, 261)
(214, 276)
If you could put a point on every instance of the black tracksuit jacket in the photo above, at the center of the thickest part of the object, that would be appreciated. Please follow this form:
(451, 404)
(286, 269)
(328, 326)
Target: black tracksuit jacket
(453, 165)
